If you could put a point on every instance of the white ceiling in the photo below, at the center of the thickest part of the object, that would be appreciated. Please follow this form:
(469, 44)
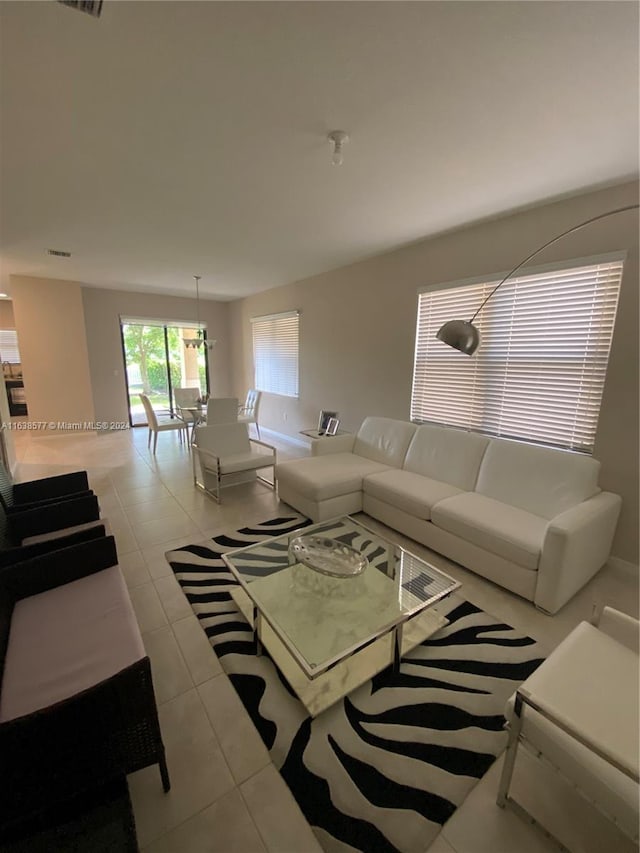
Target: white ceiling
(172, 138)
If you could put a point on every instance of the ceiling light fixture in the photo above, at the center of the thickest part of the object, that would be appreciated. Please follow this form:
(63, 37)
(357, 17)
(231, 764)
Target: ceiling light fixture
(200, 340)
(463, 335)
(338, 138)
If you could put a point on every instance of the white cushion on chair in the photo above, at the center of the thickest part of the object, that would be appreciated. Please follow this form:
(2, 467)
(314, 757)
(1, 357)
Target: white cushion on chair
(66, 640)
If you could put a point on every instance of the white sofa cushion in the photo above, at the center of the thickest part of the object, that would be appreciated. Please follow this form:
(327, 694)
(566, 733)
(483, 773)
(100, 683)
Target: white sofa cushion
(319, 478)
(384, 440)
(409, 492)
(499, 528)
(537, 479)
(448, 455)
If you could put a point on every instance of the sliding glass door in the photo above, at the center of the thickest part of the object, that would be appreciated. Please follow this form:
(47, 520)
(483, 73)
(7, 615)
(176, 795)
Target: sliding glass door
(157, 361)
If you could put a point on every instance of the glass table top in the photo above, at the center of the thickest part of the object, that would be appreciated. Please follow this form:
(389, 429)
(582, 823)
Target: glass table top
(323, 619)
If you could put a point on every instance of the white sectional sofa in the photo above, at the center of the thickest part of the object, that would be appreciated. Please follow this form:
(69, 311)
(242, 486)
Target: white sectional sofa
(529, 518)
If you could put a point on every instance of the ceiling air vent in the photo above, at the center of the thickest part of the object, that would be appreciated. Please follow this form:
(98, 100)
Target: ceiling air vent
(91, 7)
(58, 253)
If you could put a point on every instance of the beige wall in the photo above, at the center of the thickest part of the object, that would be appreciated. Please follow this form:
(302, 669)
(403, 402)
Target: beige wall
(49, 320)
(102, 310)
(6, 314)
(357, 328)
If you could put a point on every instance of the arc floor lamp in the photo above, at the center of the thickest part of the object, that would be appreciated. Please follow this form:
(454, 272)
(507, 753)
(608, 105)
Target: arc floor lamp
(463, 335)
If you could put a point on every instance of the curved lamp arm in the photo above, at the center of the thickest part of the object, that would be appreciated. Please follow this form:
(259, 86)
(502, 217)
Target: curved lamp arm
(463, 335)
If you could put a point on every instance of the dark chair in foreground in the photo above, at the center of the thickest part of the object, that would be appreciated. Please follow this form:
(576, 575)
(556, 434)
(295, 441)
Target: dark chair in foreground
(21, 496)
(77, 706)
(47, 520)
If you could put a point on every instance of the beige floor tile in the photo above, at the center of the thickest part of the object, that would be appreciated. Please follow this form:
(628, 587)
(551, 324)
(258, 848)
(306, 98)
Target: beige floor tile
(170, 674)
(136, 476)
(479, 826)
(165, 508)
(189, 497)
(441, 845)
(125, 540)
(194, 644)
(224, 827)
(134, 569)
(173, 600)
(243, 748)
(149, 611)
(142, 494)
(118, 519)
(276, 814)
(164, 529)
(108, 502)
(199, 774)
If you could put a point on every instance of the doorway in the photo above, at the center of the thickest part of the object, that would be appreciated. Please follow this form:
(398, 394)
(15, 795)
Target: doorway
(157, 361)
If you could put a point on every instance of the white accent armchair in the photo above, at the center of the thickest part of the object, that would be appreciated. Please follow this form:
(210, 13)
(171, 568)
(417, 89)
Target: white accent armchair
(225, 451)
(579, 711)
(248, 414)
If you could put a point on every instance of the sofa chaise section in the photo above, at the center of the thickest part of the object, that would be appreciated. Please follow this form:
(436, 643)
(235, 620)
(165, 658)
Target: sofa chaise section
(329, 484)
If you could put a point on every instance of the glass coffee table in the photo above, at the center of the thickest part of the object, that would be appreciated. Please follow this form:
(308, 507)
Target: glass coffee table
(327, 634)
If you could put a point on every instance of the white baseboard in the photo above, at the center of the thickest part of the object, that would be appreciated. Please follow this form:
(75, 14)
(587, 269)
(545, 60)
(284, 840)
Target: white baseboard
(624, 566)
(281, 436)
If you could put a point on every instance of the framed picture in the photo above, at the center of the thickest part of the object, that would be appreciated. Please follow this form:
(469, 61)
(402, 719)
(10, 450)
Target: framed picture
(332, 426)
(323, 420)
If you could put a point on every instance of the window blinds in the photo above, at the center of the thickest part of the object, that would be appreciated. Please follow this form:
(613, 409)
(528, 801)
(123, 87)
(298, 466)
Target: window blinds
(540, 369)
(9, 346)
(275, 353)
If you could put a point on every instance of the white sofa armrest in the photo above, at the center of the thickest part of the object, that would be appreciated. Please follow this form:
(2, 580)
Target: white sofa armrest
(577, 544)
(620, 626)
(332, 444)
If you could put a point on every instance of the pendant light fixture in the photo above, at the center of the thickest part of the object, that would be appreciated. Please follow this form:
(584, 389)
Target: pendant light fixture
(200, 340)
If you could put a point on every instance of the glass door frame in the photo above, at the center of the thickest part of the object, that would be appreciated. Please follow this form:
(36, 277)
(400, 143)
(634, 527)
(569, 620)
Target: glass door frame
(164, 326)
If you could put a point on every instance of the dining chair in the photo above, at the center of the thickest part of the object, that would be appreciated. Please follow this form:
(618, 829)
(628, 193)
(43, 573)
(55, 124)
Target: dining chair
(223, 450)
(186, 399)
(248, 414)
(157, 425)
(222, 410)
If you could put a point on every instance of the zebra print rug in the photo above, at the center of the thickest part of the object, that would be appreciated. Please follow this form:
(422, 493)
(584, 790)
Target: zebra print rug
(384, 768)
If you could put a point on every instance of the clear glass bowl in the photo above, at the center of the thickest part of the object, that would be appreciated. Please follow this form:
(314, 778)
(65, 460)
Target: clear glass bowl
(327, 556)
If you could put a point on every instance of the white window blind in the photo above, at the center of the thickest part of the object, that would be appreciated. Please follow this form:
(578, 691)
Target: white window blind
(9, 346)
(540, 369)
(275, 353)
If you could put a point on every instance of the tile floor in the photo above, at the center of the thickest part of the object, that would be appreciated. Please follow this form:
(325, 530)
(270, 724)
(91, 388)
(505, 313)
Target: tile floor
(226, 796)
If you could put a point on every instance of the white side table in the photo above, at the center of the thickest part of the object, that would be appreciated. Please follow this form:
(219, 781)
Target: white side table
(313, 433)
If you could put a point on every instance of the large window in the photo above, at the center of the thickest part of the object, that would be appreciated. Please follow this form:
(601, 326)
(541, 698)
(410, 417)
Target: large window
(275, 353)
(539, 372)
